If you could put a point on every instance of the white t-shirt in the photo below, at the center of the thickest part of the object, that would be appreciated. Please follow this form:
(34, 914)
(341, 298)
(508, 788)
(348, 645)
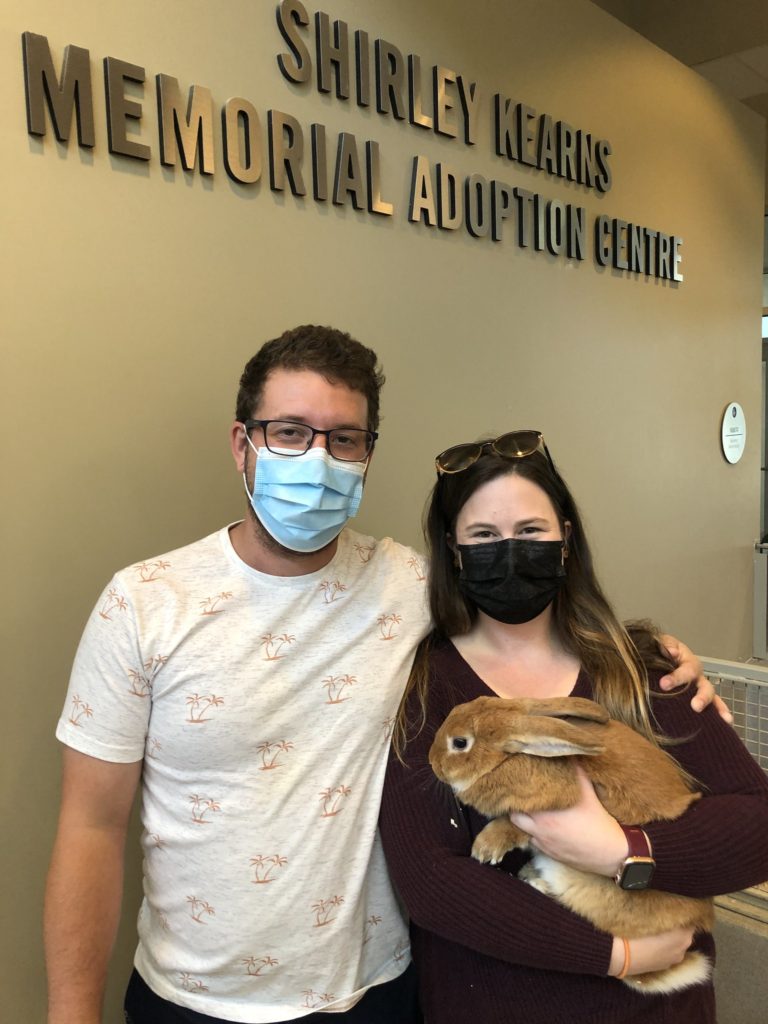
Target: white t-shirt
(262, 707)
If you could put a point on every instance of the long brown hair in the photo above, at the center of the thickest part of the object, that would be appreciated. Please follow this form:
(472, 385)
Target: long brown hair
(615, 657)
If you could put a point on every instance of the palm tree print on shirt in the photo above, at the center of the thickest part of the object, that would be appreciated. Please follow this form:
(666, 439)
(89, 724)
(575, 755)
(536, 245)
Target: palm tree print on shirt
(150, 571)
(190, 984)
(387, 625)
(79, 710)
(365, 551)
(199, 705)
(418, 567)
(264, 866)
(114, 601)
(255, 965)
(274, 644)
(273, 750)
(332, 798)
(210, 605)
(201, 807)
(332, 589)
(314, 999)
(323, 910)
(143, 679)
(198, 907)
(335, 685)
(400, 950)
(370, 924)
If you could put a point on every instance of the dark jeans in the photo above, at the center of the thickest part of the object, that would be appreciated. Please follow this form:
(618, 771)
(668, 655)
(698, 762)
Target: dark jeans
(395, 1002)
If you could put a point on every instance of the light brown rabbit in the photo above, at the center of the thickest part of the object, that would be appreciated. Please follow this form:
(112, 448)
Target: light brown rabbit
(502, 755)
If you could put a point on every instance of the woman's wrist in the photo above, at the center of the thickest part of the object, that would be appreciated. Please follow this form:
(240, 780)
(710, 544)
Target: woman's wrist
(619, 958)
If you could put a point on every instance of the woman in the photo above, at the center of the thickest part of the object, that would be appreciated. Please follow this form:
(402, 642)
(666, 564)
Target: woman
(518, 612)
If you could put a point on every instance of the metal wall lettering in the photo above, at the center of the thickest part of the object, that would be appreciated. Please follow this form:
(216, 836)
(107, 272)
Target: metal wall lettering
(373, 179)
(501, 208)
(448, 204)
(296, 66)
(390, 79)
(416, 114)
(121, 109)
(469, 95)
(527, 137)
(332, 55)
(43, 91)
(421, 206)
(241, 136)
(190, 133)
(286, 152)
(319, 163)
(362, 69)
(348, 179)
(440, 196)
(445, 123)
(478, 205)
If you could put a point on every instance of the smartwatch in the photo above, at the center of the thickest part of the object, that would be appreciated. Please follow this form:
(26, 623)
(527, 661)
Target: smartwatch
(637, 870)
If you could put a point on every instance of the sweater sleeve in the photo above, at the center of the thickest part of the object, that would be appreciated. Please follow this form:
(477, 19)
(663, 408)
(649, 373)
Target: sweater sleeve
(427, 842)
(720, 844)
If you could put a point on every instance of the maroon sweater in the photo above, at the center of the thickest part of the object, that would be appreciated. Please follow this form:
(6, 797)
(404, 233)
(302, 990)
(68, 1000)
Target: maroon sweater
(490, 949)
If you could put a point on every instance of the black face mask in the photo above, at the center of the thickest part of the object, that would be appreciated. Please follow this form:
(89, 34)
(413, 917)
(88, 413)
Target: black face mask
(513, 581)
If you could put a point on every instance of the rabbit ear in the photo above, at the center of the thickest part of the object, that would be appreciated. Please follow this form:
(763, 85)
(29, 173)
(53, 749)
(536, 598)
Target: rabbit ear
(565, 707)
(551, 737)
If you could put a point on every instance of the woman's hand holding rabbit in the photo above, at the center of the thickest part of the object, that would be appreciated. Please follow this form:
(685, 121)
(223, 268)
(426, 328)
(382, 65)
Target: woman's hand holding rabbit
(651, 953)
(584, 836)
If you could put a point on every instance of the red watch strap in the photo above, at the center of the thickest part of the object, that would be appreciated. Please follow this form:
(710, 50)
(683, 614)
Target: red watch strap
(638, 842)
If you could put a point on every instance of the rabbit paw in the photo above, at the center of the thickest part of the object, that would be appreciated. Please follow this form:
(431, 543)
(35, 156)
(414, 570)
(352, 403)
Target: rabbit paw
(496, 839)
(529, 874)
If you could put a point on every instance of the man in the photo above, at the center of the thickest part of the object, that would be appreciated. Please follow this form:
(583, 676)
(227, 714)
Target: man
(254, 676)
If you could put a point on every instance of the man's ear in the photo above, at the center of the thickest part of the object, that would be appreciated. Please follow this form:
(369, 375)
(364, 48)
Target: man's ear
(368, 465)
(238, 442)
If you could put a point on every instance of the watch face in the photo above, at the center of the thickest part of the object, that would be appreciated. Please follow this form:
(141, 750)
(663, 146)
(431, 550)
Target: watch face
(637, 874)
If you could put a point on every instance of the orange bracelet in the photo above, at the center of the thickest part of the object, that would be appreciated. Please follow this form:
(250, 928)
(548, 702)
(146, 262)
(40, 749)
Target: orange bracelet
(627, 960)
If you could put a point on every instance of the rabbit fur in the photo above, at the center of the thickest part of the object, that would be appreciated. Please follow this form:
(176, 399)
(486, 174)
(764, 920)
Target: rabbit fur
(501, 756)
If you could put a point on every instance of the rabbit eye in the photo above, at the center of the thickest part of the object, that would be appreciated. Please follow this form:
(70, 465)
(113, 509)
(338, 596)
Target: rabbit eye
(459, 743)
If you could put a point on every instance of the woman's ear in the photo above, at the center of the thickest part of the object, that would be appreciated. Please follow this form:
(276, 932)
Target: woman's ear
(451, 542)
(566, 536)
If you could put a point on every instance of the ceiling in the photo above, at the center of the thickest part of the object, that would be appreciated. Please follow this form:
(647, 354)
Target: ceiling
(726, 41)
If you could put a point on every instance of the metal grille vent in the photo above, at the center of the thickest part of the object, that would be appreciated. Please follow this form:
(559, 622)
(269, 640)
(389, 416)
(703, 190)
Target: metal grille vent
(744, 688)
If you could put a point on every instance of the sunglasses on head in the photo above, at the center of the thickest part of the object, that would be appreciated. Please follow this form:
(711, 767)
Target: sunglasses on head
(517, 444)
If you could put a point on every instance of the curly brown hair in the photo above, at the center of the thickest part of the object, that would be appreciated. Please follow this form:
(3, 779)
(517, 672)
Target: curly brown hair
(333, 354)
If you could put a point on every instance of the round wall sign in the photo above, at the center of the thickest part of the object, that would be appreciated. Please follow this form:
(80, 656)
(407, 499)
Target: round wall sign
(733, 434)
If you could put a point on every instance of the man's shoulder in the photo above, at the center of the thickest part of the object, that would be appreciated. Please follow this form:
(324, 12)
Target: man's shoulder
(384, 547)
(195, 557)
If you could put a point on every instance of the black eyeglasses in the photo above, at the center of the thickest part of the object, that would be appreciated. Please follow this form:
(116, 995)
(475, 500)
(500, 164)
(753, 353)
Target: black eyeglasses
(517, 444)
(285, 437)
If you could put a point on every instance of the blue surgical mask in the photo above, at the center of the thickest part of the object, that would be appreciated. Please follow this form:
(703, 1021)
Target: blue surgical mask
(304, 502)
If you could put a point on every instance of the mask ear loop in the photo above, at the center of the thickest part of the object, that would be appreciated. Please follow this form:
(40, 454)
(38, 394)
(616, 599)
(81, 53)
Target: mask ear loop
(245, 482)
(566, 535)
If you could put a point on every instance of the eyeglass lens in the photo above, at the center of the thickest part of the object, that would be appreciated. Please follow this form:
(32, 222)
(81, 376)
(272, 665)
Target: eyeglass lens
(516, 444)
(347, 445)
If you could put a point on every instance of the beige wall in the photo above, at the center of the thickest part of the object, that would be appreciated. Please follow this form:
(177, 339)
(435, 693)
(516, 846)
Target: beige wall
(132, 295)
